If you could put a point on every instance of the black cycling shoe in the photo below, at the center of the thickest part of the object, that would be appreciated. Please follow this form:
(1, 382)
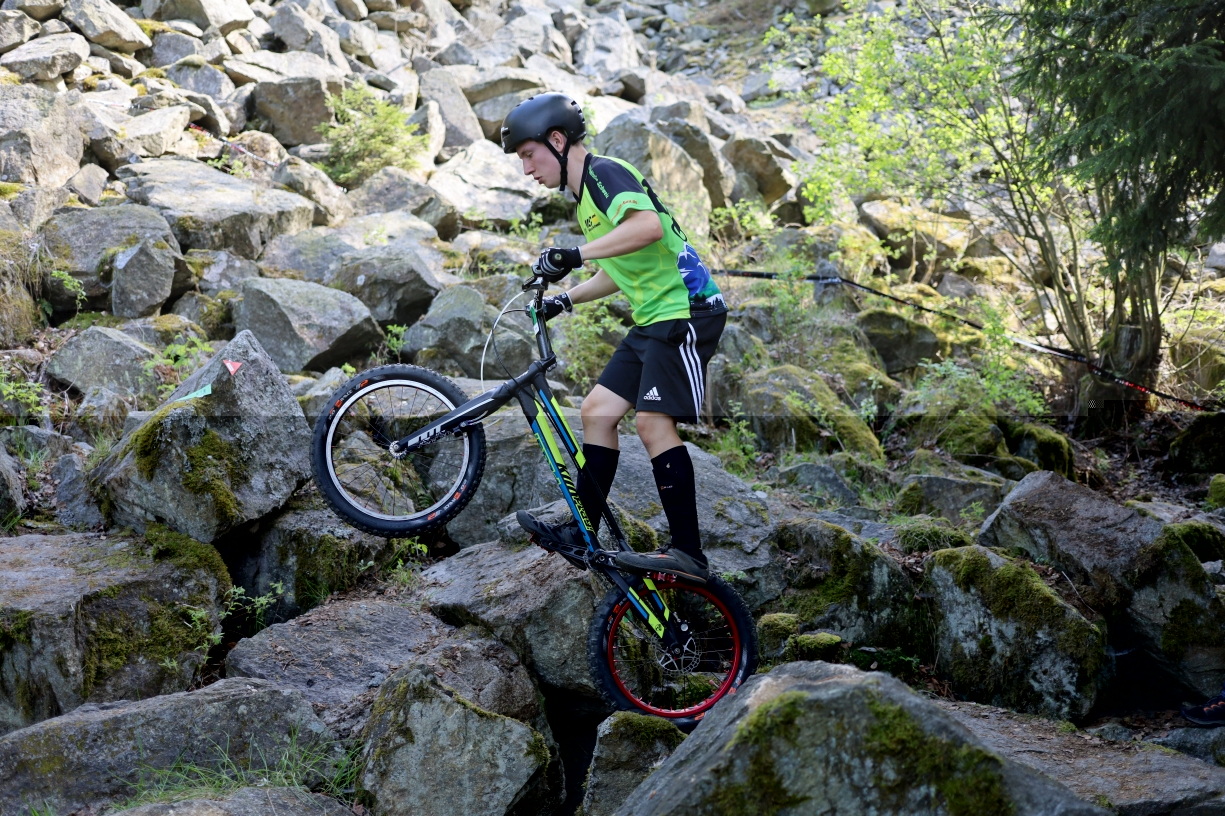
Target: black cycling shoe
(1211, 713)
(548, 536)
(669, 560)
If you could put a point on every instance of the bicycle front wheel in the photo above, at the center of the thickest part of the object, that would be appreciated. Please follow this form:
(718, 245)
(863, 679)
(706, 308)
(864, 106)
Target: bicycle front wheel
(634, 672)
(373, 490)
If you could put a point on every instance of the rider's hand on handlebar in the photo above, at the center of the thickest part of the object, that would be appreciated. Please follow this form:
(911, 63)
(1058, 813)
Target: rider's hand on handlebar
(555, 263)
(556, 304)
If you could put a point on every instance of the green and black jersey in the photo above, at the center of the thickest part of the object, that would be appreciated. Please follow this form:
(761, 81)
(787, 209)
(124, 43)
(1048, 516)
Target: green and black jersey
(661, 280)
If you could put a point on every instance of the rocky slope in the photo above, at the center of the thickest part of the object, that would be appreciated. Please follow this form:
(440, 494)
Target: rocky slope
(945, 590)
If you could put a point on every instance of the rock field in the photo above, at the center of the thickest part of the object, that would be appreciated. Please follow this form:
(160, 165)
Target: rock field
(961, 610)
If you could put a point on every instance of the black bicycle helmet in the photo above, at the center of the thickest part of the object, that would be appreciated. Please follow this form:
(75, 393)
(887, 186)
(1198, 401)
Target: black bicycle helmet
(536, 117)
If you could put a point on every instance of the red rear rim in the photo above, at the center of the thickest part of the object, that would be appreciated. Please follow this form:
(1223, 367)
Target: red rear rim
(619, 612)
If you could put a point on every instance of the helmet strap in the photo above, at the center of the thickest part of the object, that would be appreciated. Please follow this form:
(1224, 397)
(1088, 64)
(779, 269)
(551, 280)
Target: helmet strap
(562, 157)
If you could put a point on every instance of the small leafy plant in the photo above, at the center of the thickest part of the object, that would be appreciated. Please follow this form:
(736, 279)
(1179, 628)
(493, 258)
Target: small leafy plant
(367, 135)
(177, 361)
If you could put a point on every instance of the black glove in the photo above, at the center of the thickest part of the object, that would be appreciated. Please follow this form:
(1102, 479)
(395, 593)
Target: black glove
(556, 304)
(555, 263)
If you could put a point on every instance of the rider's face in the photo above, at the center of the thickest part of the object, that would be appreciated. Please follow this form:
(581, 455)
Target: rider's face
(540, 164)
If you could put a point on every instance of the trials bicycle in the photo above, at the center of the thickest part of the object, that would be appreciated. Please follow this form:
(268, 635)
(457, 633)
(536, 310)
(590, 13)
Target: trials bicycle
(401, 451)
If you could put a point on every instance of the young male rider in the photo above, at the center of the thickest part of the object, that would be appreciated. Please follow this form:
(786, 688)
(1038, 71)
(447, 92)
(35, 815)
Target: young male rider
(660, 367)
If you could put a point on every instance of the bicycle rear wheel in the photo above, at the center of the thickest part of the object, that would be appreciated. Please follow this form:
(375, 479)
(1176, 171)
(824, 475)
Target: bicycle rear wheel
(375, 491)
(633, 672)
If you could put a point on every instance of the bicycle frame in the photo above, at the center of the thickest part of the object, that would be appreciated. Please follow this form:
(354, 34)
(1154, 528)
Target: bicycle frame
(548, 423)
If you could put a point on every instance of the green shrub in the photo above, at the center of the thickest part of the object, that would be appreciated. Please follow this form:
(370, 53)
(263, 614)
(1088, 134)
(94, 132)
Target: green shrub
(368, 134)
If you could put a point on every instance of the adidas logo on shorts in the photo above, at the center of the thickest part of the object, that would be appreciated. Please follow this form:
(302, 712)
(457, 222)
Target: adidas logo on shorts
(653, 394)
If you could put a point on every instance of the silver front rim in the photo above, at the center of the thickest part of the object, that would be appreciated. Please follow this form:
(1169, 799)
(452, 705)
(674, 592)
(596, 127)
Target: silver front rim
(370, 447)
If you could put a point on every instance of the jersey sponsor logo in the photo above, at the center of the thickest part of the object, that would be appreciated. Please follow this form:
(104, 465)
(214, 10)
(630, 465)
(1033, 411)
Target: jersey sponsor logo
(653, 395)
(598, 183)
(591, 222)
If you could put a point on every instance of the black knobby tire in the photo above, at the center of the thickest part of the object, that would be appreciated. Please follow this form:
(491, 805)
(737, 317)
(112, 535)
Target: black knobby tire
(728, 658)
(366, 413)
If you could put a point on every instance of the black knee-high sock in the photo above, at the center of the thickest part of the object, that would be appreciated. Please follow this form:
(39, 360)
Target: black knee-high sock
(596, 479)
(679, 496)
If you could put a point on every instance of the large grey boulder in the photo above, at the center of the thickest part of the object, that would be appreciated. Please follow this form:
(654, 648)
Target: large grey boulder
(393, 189)
(1004, 637)
(484, 180)
(491, 113)
(536, 604)
(957, 500)
(424, 735)
(12, 491)
(607, 47)
(47, 57)
(395, 282)
(347, 649)
(463, 128)
(301, 32)
(673, 174)
(118, 139)
(75, 506)
(96, 754)
(629, 747)
(902, 343)
(305, 325)
(1139, 573)
(16, 27)
(842, 583)
(230, 445)
(317, 254)
(249, 802)
(201, 78)
(225, 15)
(37, 9)
(143, 279)
(1126, 777)
(104, 23)
(820, 738)
(39, 143)
(89, 618)
(765, 160)
(479, 86)
(456, 328)
(917, 234)
(209, 209)
(270, 66)
(309, 552)
(309, 181)
(718, 174)
(171, 46)
(104, 358)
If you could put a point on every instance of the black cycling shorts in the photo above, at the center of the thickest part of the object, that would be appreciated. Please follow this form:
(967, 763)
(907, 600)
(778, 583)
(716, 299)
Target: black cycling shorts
(662, 367)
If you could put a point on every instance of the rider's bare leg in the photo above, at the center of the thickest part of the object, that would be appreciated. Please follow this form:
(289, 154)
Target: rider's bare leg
(602, 411)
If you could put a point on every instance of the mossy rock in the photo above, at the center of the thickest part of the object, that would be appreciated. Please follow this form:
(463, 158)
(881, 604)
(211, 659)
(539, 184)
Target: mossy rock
(1045, 447)
(861, 470)
(925, 535)
(842, 351)
(896, 662)
(1204, 540)
(839, 583)
(790, 408)
(1216, 492)
(902, 343)
(645, 732)
(1004, 637)
(1198, 449)
(773, 630)
(819, 646)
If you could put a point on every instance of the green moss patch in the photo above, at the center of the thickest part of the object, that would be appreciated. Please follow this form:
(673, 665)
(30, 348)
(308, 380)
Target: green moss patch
(118, 636)
(761, 792)
(1173, 554)
(896, 662)
(83, 320)
(1202, 538)
(645, 732)
(1045, 447)
(848, 576)
(969, 780)
(216, 467)
(1216, 492)
(14, 628)
(774, 629)
(930, 536)
(186, 553)
(819, 646)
